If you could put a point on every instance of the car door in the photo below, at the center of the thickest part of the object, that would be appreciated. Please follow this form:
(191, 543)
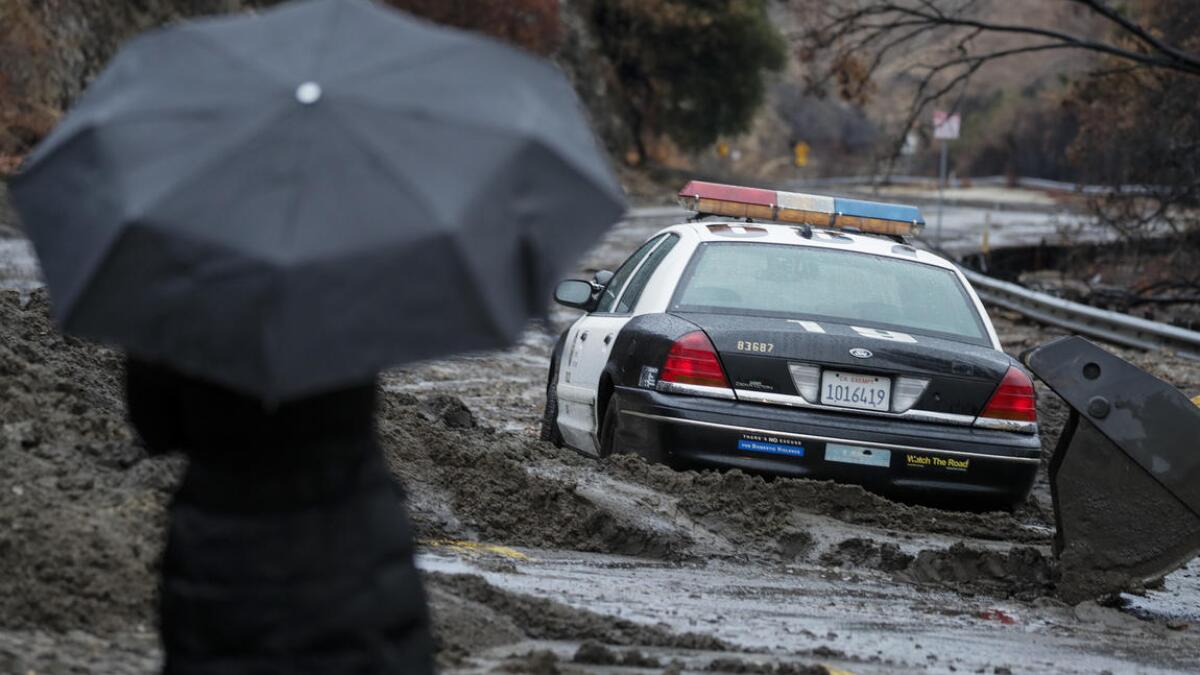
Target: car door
(591, 339)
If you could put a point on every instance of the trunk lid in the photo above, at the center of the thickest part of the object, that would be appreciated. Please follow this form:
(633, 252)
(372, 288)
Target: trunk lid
(757, 351)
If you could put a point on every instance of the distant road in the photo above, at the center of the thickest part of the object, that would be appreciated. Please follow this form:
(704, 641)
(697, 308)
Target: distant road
(1011, 217)
(1028, 182)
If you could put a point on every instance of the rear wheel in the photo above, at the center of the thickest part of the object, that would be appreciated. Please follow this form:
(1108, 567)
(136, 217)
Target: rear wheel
(608, 438)
(608, 429)
(550, 432)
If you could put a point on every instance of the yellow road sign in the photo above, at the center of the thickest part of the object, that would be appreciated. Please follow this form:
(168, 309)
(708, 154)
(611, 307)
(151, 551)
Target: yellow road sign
(800, 153)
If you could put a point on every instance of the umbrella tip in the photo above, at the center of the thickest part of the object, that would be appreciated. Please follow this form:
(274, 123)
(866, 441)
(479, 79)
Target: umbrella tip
(308, 93)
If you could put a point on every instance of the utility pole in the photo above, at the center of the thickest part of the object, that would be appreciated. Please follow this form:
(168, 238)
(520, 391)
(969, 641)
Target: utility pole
(945, 129)
(937, 242)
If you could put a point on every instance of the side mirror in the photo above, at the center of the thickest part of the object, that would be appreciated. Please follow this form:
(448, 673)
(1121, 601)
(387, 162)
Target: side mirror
(575, 293)
(602, 277)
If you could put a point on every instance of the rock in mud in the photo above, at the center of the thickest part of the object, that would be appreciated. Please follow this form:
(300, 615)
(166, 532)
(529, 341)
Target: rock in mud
(451, 411)
(595, 653)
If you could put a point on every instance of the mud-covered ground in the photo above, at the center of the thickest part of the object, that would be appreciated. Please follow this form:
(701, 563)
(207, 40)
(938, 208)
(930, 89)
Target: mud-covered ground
(541, 560)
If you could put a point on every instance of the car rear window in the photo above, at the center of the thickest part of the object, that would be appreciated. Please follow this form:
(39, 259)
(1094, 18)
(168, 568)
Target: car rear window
(844, 286)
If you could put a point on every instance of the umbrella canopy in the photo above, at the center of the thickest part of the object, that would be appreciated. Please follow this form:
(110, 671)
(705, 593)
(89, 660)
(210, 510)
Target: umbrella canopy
(291, 201)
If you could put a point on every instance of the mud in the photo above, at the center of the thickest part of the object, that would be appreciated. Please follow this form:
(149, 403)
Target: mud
(751, 509)
(1021, 572)
(508, 614)
(80, 502)
(860, 552)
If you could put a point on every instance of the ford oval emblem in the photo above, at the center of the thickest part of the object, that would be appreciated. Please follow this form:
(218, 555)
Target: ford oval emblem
(860, 353)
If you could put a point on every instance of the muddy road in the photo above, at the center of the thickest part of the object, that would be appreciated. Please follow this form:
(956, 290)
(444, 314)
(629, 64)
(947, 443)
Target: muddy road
(542, 560)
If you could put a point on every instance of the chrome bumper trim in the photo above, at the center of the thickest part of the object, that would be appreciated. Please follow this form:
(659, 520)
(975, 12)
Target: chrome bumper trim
(694, 390)
(1007, 425)
(799, 402)
(828, 439)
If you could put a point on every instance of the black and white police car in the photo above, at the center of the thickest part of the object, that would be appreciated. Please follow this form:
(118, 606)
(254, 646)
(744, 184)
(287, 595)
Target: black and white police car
(819, 345)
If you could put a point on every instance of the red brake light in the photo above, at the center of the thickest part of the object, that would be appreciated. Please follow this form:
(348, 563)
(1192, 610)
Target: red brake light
(1014, 399)
(693, 360)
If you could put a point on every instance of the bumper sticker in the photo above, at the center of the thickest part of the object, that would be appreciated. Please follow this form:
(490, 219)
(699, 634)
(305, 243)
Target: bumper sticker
(770, 445)
(944, 463)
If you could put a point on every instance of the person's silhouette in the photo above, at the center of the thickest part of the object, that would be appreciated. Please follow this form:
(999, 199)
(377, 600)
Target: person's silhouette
(288, 546)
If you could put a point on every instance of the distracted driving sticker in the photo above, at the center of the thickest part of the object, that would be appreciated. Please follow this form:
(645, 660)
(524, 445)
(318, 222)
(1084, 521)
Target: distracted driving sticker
(947, 463)
(770, 445)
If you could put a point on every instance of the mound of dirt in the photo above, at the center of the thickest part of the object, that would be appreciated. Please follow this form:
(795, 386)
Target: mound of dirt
(758, 509)
(1022, 572)
(469, 481)
(82, 503)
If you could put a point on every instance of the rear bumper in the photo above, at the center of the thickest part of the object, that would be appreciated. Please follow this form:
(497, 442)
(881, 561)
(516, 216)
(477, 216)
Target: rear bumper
(881, 454)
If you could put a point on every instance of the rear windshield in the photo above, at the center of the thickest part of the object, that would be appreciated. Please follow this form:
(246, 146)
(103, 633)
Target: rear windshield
(842, 286)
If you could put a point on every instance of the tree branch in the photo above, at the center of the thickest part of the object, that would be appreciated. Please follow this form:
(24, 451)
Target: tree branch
(1102, 8)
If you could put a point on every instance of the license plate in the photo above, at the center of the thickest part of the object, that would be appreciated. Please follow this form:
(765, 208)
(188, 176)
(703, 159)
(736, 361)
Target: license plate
(853, 454)
(855, 390)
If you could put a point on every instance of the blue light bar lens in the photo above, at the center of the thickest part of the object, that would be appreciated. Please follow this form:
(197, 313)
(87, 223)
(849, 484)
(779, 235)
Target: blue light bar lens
(865, 209)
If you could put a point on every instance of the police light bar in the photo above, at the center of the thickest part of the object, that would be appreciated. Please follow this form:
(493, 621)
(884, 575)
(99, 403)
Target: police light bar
(792, 207)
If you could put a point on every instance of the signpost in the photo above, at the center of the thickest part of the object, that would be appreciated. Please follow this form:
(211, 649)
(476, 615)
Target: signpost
(945, 128)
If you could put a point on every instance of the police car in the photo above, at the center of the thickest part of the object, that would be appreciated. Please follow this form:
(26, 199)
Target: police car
(800, 335)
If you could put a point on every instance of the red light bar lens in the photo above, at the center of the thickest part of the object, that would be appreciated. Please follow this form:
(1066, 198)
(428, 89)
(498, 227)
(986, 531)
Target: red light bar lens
(1015, 399)
(693, 360)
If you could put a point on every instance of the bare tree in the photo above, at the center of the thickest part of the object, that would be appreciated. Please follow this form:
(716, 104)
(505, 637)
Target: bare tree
(1137, 123)
(850, 42)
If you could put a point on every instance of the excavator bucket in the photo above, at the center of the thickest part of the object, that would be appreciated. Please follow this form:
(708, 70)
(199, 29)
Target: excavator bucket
(1125, 476)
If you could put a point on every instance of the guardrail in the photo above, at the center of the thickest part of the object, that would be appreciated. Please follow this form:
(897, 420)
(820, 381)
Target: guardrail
(1001, 181)
(1114, 327)
(656, 212)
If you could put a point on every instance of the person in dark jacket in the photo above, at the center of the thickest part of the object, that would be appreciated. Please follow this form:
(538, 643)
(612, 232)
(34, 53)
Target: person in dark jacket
(288, 547)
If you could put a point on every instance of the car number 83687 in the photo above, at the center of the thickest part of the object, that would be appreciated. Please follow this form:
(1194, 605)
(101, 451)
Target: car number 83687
(760, 347)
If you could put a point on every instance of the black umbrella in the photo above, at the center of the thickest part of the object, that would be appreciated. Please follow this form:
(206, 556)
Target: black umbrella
(290, 201)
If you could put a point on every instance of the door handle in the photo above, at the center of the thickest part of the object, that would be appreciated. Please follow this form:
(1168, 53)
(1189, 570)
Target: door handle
(608, 338)
(583, 336)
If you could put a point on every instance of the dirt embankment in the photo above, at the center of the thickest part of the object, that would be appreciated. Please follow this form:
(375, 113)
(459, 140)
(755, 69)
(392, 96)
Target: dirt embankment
(80, 501)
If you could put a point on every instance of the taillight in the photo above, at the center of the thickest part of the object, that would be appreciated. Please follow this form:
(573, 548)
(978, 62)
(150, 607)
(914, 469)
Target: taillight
(693, 361)
(1013, 400)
